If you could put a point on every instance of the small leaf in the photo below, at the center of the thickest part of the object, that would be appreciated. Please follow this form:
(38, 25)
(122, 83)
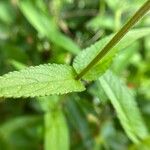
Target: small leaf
(125, 106)
(39, 81)
(87, 55)
(46, 26)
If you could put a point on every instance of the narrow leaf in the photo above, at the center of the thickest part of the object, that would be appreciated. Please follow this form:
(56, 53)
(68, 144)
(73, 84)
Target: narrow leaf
(7, 128)
(56, 136)
(39, 81)
(21, 133)
(125, 106)
(56, 129)
(45, 25)
(87, 55)
(77, 118)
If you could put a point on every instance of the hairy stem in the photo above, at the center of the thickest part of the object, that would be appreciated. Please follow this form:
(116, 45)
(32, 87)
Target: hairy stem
(117, 37)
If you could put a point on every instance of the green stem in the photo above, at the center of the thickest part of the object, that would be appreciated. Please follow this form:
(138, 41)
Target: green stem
(117, 37)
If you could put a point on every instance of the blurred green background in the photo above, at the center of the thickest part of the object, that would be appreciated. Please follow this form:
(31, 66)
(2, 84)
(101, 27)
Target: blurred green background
(34, 32)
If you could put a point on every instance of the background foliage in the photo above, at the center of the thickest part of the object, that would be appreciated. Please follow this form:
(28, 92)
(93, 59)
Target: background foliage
(113, 113)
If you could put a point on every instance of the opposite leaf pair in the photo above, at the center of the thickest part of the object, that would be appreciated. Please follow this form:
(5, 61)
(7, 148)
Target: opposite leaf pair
(89, 64)
(60, 79)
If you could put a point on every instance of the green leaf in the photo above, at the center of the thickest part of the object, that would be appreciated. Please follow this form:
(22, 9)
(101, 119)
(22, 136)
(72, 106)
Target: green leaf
(18, 123)
(7, 14)
(101, 22)
(87, 55)
(144, 145)
(125, 106)
(56, 129)
(46, 26)
(117, 4)
(21, 133)
(79, 122)
(120, 62)
(17, 65)
(39, 81)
